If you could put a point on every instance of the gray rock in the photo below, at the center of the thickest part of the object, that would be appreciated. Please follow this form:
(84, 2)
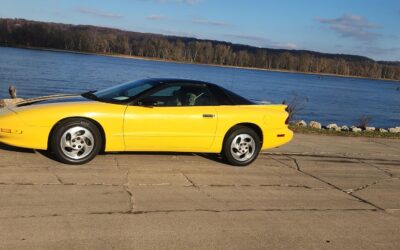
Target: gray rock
(314, 124)
(345, 128)
(370, 129)
(382, 130)
(301, 123)
(394, 130)
(333, 126)
(355, 129)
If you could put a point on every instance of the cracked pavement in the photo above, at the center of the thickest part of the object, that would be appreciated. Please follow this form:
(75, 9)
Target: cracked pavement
(316, 192)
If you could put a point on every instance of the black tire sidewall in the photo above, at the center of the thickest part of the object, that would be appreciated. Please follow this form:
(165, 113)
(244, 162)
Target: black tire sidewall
(64, 126)
(227, 145)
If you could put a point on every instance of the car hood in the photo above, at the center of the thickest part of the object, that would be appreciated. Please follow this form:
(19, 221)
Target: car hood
(53, 99)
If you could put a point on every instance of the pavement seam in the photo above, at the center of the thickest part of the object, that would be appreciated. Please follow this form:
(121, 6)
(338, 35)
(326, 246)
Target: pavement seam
(372, 184)
(140, 185)
(381, 143)
(199, 189)
(139, 212)
(131, 200)
(298, 168)
(353, 190)
(374, 166)
(334, 186)
(125, 186)
(327, 155)
(349, 191)
(190, 180)
(58, 184)
(56, 175)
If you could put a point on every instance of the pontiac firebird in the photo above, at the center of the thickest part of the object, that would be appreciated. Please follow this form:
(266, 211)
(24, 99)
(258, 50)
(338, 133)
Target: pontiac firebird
(157, 115)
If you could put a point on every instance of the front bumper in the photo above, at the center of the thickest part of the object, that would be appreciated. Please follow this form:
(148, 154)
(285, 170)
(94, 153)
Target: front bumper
(14, 132)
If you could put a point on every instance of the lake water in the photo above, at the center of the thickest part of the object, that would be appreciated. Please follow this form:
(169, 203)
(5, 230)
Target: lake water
(330, 99)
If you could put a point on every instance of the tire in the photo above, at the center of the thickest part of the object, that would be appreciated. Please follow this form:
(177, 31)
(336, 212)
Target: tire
(76, 141)
(241, 146)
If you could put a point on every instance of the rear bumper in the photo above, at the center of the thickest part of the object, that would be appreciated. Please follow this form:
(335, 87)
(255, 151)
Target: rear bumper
(276, 137)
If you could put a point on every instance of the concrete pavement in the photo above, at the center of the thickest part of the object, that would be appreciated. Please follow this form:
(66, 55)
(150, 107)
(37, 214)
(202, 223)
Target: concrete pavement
(316, 192)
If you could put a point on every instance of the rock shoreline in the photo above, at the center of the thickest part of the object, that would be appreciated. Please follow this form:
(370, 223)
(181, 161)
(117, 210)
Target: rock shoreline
(343, 128)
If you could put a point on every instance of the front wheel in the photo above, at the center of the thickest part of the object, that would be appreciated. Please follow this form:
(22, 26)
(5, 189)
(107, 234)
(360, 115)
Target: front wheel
(76, 141)
(241, 146)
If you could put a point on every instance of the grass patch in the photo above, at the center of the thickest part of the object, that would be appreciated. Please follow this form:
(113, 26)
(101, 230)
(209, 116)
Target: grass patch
(371, 134)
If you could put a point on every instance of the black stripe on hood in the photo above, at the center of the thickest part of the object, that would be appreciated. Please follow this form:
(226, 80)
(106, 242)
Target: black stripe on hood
(53, 100)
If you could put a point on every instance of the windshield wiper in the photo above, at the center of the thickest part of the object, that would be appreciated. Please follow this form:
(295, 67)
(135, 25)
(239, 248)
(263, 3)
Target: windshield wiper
(91, 95)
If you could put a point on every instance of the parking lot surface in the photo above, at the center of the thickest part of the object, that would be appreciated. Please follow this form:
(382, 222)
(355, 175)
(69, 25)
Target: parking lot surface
(316, 192)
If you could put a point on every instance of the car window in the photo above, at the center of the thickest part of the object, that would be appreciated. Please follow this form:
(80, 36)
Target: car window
(124, 92)
(237, 99)
(169, 91)
(137, 90)
(180, 95)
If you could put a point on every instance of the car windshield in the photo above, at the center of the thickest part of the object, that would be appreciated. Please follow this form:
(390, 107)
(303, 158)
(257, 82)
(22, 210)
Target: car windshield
(121, 93)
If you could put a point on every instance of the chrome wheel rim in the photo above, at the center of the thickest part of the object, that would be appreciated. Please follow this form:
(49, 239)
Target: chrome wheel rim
(77, 143)
(243, 147)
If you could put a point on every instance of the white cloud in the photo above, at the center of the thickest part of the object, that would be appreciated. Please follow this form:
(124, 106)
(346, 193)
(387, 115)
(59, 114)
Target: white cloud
(284, 46)
(98, 13)
(156, 17)
(378, 51)
(262, 41)
(188, 2)
(350, 25)
(209, 22)
(172, 32)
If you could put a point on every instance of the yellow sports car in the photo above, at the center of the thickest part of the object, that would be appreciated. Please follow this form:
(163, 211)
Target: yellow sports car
(156, 115)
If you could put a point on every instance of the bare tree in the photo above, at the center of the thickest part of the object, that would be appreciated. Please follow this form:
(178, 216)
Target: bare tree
(364, 121)
(295, 104)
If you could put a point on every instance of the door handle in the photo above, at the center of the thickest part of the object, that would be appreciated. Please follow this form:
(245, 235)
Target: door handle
(208, 115)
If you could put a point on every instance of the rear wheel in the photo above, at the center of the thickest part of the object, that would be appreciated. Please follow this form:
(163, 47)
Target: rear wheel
(76, 141)
(241, 146)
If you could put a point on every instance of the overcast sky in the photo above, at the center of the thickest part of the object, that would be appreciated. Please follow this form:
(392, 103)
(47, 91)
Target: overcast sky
(363, 27)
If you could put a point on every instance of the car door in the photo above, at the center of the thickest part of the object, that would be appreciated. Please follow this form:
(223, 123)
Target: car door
(177, 117)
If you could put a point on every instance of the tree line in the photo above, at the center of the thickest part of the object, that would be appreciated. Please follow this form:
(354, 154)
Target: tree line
(85, 38)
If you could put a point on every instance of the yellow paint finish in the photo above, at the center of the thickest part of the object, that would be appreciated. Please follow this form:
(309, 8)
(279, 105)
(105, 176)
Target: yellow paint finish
(268, 118)
(36, 122)
(134, 128)
(169, 128)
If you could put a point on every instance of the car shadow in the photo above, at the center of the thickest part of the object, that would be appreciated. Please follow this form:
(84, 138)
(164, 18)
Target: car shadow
(45, 153)
(212, 157)
(48, 155)
(6, 147)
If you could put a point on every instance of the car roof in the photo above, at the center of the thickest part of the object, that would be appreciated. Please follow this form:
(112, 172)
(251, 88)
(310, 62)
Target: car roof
(177, 80)
(221, 92)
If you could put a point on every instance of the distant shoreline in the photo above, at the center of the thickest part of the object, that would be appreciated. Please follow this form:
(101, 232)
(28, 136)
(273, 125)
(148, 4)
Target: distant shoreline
(193, 63)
